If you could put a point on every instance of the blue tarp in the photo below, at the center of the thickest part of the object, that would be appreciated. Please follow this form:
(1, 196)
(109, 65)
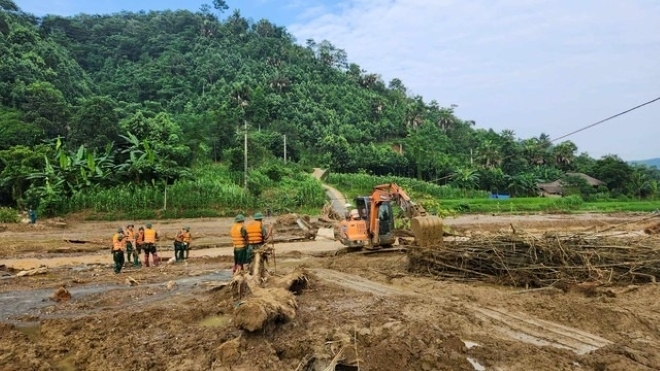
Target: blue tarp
(499, 196)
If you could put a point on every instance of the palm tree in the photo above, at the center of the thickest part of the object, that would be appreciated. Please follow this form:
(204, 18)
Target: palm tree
(564, 154)
(489, 154)
(465, 179)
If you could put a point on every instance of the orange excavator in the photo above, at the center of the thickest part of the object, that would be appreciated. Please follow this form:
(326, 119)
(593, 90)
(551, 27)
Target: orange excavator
(372, 224)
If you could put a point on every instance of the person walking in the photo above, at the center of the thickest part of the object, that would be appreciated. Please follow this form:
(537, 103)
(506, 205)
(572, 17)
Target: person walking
(150, 237)
(238, 236)
(118, 246)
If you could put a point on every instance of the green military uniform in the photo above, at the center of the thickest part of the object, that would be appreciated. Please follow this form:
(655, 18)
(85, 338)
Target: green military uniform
(239, 240)
(254, 242)
(118, 246)
(130, 249)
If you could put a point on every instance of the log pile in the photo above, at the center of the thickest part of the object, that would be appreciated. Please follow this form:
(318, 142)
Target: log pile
(529, 261)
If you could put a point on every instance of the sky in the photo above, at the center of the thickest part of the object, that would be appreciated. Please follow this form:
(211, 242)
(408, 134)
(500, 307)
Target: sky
(532, 66)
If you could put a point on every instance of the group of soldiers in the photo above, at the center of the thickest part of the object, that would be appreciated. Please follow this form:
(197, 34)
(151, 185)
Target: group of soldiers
(247, 238)
(127, 241)
(128, 244)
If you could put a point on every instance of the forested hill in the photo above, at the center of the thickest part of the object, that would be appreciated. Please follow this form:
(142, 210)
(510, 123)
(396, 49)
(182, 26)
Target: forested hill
(156, 92)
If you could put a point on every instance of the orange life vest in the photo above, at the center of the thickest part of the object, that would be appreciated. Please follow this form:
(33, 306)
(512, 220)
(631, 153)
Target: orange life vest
(187, 237)
(236, 237)
(140, 237)
(117, 242)
(130, 236)
(179, 236)
(254, 232)
(149, 236)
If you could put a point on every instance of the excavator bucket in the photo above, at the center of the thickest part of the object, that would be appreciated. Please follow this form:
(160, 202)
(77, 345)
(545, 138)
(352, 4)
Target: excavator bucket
(427, 230)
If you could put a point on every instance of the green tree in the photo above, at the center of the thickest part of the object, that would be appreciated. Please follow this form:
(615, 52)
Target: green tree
(95, 123)
(615, 172)
(46, 107)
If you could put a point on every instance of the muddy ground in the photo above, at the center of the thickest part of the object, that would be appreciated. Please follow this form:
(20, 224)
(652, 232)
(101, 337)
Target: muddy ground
(181, 316)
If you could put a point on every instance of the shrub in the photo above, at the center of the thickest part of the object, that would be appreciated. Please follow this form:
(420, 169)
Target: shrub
(8, 215)
(568, 203)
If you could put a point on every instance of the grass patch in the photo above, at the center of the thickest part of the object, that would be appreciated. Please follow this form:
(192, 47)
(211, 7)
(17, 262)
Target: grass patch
(353, 185)
(540, 204)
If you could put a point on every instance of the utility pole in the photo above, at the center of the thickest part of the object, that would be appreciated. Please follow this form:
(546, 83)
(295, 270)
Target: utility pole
(285, 148)
(245, 156)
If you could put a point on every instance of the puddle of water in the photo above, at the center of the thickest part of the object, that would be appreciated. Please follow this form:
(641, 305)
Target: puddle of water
(477, 366)
(33, 332)
(24, 302)
(215, 321)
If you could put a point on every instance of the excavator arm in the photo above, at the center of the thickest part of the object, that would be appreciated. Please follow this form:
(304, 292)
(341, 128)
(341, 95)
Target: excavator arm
(426, 228)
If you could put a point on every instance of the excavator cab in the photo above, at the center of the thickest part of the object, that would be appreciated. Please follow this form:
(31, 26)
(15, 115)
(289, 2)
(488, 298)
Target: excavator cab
(383, 222)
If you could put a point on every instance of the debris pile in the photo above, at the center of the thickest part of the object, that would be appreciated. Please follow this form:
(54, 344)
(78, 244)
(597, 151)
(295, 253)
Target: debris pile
(61, 295)
(529, 261)
(294, 227)
(329, 214)
(653, 229)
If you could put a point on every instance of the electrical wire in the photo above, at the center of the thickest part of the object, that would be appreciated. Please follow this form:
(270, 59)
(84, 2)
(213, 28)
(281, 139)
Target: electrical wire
(607, 119)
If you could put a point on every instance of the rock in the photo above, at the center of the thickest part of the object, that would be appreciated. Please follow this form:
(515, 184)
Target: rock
(171, 261)
(171, 285)
(32, 272)
(61, 295)
(130, 281)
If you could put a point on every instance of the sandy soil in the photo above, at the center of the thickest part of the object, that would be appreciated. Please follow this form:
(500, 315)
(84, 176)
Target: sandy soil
(181, 317)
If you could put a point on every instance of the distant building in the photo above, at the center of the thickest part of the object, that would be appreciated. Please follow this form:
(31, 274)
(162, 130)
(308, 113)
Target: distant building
(556, 188)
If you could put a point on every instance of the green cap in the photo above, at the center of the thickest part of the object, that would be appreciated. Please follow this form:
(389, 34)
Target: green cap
(120, 230)
(148, 225)
(258, 216)
(239, 218)
(186, 228)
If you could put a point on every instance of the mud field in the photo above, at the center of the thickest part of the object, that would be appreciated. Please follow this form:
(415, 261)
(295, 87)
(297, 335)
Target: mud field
(351, 312)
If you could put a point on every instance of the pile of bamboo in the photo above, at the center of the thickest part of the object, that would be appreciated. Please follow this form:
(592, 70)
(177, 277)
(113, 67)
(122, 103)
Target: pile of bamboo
(529, 261)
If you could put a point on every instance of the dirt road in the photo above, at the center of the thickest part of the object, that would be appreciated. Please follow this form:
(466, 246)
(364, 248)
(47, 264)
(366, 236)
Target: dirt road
(337, 199)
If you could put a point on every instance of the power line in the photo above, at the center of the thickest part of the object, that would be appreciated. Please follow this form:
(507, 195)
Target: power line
(607, 119)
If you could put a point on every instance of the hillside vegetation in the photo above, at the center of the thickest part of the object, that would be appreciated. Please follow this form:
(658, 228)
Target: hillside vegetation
(122, 106)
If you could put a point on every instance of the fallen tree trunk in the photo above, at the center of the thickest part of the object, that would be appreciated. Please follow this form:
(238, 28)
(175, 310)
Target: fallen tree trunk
(264, 307)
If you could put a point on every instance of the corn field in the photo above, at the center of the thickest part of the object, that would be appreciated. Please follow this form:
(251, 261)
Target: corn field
(209, 190)
(364, 183)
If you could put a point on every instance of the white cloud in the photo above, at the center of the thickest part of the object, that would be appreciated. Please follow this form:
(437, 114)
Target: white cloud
(534, 66)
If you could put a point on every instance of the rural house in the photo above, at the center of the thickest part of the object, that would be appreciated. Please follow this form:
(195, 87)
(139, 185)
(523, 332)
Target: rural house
(556, 188)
